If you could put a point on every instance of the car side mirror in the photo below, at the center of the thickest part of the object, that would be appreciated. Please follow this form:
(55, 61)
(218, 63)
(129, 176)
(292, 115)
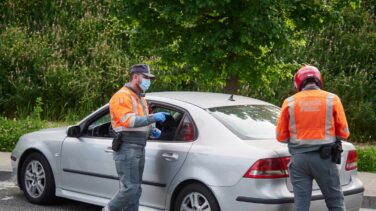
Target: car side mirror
(74, 131)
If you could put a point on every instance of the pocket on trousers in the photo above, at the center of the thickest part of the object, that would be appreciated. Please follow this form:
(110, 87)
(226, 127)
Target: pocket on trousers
(136, 171)
(120, 156)
(333, 171)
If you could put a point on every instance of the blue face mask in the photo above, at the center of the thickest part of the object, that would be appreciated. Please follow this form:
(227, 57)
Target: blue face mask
(145, 84)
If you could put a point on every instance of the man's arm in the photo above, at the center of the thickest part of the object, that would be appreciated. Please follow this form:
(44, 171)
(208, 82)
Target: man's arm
(283, 134)
(141, 121)
(340, 122)
(122, 110)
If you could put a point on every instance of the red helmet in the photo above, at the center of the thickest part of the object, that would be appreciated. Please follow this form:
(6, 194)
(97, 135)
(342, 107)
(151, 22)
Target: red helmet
(304, 73)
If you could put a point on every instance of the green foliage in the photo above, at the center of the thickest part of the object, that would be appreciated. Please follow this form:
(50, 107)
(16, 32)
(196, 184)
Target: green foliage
(366, 158)
(223, 40)
(358, 95)
(37, 108)
(345, 52)
(12, 129)
(60, 60)
(70, 53)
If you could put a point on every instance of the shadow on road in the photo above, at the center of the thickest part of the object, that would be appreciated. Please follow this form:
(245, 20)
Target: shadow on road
(12, 198)
(4, 175)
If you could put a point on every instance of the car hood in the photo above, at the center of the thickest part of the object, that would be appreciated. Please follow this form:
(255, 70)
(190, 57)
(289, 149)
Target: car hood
(47, 134)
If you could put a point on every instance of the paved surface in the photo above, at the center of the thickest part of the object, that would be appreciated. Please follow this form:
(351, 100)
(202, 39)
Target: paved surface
(5, 161)
(369, 182)
(11, 198)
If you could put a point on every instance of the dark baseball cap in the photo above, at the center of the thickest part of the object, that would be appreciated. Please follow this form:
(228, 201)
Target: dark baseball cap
(142, 69)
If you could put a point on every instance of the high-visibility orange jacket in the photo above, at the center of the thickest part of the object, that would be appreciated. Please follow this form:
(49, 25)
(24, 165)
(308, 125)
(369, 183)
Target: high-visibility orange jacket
(312, 117)
(129, 113)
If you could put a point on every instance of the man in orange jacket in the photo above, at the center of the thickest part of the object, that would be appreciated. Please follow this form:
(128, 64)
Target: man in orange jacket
(131, 119)
(311, 121)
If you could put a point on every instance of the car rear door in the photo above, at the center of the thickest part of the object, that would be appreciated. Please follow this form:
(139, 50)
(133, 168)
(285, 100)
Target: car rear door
(166, 155)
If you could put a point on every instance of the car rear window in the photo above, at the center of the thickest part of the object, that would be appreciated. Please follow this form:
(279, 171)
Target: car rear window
(249, 121)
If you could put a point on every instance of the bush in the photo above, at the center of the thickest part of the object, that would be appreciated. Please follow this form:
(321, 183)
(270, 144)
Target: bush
(366, 158)
(12, 129)
(73, 55)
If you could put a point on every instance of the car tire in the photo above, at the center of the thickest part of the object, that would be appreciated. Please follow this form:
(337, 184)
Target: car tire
(196, 197)
(37, 179)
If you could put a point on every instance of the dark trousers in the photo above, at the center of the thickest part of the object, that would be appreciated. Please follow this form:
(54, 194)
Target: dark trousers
(305, 167)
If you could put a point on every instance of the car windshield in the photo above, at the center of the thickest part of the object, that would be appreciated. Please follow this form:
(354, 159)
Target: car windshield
(249, 121)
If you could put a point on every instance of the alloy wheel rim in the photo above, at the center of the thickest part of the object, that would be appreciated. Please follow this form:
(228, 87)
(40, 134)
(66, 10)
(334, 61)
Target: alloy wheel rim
(195, 202)
(35, 179)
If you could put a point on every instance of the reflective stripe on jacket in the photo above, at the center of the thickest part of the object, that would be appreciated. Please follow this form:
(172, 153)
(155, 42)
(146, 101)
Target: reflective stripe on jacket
(125, 106)
(312, 117)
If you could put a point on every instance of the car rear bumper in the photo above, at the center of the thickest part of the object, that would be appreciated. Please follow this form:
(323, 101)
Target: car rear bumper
(291, 199)
(258, 195)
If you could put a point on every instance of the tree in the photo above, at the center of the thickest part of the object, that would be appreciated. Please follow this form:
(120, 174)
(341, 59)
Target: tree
(231, 40)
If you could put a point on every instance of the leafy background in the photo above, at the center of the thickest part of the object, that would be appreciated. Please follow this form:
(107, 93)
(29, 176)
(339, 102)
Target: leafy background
(62, 59)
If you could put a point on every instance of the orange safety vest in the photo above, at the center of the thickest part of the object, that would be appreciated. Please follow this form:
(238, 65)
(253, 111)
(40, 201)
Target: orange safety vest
(124, 106)
(312, 117)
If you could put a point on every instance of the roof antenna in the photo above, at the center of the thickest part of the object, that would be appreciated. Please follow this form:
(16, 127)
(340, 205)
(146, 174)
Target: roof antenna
(231, 98)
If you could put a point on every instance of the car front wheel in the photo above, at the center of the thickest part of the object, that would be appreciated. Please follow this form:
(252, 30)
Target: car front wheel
(37, 179)
(196, 197)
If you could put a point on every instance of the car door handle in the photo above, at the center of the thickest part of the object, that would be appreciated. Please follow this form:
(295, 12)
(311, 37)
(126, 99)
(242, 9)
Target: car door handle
(170, 156)
(109, 150)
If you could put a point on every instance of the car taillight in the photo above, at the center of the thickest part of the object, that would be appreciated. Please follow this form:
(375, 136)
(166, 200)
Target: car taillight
(352, 160)
(269, 168)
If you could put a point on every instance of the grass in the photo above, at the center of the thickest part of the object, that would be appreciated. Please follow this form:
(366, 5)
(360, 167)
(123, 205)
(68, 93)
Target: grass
(12, 129)
(366, 158)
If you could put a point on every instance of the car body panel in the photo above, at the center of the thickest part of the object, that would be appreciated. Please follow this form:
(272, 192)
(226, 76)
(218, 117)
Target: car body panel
(216, 158)
(83, 169)
(162, 162)
(46, 141)
(208, 99)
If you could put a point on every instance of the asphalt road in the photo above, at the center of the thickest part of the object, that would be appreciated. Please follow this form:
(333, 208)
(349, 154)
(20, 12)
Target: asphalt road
(12, 199)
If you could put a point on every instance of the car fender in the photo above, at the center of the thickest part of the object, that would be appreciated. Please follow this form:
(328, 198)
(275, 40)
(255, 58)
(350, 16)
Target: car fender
(46, 142)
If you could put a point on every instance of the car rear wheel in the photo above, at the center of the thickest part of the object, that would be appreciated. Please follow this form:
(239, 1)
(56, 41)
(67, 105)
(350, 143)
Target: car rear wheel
(37, 179)
(196, 197)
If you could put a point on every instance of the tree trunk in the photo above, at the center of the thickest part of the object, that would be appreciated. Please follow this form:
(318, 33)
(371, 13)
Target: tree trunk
(232, 84)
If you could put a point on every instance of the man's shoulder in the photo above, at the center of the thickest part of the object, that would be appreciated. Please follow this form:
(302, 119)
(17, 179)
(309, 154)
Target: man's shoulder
(121, 93)
(123, 90)
(318, 93)
(330, 94)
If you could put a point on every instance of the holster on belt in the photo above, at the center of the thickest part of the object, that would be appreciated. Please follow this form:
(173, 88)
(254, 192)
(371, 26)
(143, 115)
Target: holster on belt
(334, 150)
(116, 142)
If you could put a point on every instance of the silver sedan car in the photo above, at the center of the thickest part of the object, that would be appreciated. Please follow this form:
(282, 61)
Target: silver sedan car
(216, 152)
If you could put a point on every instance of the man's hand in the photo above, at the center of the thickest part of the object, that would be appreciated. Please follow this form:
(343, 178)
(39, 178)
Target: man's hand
(155, 133)
(160, 116)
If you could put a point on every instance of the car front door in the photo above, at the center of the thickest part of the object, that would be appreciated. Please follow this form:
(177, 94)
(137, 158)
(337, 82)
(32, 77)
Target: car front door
(87, 161)
(166, 155)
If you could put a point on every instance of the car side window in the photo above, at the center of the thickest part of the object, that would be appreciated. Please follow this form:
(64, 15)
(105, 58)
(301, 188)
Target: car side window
(172, 125)
(100, 127)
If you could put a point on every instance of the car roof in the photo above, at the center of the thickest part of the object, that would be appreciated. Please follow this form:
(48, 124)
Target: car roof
(207, 99)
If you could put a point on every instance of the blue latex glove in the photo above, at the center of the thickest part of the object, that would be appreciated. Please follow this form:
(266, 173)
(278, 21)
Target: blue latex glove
(160, 116)
(155, 133)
